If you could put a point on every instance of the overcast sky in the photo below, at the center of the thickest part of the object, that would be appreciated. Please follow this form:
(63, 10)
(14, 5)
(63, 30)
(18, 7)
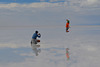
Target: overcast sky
(49, 12)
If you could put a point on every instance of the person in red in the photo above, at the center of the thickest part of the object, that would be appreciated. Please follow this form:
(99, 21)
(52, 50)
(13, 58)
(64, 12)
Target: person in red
(67, 25)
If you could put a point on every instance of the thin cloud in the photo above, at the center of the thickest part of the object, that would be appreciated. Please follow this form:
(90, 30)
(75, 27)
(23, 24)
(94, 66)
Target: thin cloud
(76, 5)
(90, 3)
(31, 5)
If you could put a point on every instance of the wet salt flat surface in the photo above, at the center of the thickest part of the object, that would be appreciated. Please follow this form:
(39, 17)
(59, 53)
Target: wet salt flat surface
(82, 41)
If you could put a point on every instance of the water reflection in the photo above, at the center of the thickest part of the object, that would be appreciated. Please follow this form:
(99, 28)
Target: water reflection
(36, 48)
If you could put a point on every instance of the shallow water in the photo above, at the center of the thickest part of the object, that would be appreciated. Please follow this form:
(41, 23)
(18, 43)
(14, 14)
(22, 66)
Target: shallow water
(82, 41)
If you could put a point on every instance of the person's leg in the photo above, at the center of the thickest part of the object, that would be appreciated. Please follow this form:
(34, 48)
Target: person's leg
(34, 41)
(31, 42)
(67, 29)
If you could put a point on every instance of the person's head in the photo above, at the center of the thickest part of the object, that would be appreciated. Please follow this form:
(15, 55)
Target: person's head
(66, 19)
(36, 31)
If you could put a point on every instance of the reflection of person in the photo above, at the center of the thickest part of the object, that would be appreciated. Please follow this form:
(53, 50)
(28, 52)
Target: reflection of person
(67, 53)
(36, 51)
(34, 42)
(34, 38)
(67, 25)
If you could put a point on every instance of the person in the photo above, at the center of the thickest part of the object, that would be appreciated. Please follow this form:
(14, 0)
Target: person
(67, 25)
(34, 38)
(34, 42)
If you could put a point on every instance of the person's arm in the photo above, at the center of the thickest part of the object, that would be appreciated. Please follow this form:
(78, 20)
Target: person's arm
(39, 35)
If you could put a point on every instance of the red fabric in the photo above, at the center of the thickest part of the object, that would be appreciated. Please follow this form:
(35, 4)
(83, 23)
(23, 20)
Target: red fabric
(67, 24)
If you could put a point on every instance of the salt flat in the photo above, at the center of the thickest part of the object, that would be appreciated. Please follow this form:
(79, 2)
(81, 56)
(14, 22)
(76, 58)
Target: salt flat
(82, 41)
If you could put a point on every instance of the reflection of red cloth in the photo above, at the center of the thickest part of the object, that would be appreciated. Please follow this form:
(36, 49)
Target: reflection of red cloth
(67, 55)
(67, 24)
